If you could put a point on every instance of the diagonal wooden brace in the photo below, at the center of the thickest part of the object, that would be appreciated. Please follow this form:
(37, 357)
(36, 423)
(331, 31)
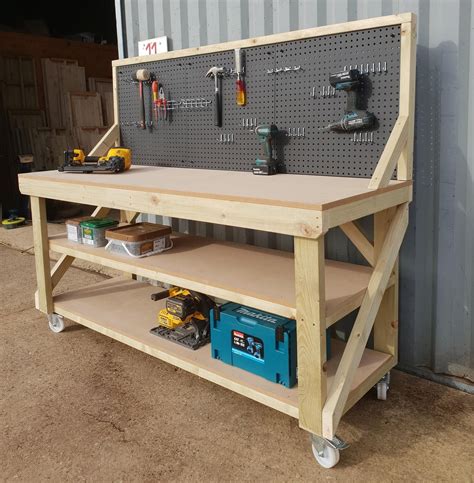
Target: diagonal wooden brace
(389, 158)
(340, 388)
(109, 139)
(355, 235)
(65, 261)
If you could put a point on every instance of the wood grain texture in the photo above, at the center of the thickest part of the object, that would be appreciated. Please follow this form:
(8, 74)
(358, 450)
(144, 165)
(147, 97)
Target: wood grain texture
(339, 391)
(355, 235)
(286, 190)
(84, 109)
(115, 92)
(391, 153)
(41, 246)
(122, 309)
(407, 93)
(360, 208)
(295, 205)
(60, 268)
(66, 260)
(108, 140)
(259, 277)
(272, 39)
(311, 331)
(60, 77)
(386, 322)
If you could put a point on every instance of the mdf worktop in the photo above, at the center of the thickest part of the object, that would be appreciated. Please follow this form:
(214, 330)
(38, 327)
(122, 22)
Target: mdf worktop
(297, 205)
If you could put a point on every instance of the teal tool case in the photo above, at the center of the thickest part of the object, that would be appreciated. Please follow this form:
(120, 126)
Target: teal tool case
(255, 341)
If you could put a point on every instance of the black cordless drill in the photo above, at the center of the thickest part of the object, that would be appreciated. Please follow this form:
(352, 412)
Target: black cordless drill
(353, 119)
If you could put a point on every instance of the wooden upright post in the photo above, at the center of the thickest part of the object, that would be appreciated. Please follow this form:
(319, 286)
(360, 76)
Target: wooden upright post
(41, 246)
(311, 331)
(407, 91)
(386, 322)
(340, 387)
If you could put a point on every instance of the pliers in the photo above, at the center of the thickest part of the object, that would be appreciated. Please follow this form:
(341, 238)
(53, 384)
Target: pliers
(162, 104)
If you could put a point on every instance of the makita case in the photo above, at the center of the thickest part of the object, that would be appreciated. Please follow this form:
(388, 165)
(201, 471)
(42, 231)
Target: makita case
(255, 341)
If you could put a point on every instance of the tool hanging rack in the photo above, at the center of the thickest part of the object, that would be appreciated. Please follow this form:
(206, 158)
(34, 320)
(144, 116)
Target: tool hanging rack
(287, 85)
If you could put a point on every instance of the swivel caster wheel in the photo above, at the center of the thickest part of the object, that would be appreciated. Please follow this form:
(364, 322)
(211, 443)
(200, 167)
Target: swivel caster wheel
(326, 452)
(383, 386)
(56, 323)
(328, 457)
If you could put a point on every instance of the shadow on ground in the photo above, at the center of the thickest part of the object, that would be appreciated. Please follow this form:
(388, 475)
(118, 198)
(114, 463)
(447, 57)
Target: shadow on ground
(79, 406)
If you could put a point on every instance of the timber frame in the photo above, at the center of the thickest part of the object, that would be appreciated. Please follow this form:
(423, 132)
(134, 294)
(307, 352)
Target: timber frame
(324, 392)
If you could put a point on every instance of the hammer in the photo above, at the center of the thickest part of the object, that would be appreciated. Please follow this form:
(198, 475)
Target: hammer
(217, 72)
(141, 75)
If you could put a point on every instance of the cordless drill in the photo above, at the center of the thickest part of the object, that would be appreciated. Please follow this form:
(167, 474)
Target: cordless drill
(265, 164)
(354, 118)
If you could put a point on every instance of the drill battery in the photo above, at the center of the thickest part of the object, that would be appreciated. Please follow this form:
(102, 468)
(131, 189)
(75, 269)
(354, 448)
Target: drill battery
(257, 342)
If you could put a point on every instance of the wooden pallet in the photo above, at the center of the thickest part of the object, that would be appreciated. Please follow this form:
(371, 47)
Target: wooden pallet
(60, 76)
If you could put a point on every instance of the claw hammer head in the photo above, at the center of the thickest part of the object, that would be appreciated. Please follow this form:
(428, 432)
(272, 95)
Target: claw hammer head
(215, 72)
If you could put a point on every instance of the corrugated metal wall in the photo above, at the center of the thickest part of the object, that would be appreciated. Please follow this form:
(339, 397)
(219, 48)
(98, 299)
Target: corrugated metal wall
(437, 260)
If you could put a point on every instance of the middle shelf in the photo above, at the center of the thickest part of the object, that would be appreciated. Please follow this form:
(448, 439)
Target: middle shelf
(262, 278)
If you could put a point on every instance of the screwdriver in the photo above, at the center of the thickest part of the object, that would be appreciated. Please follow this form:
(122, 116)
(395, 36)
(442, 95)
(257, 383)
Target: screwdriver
(240, 94)
(154, 88)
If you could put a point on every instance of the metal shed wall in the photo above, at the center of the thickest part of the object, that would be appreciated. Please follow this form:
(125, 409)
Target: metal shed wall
(437, 260)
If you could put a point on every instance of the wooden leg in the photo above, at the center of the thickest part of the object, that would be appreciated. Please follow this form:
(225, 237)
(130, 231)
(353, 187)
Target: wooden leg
(386, 322)
(41, 245)
(311, 331)
(339, 391)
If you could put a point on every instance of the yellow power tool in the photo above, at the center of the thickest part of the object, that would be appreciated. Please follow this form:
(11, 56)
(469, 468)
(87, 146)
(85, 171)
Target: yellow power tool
(115, 161)
(185, 319)
(181, 307)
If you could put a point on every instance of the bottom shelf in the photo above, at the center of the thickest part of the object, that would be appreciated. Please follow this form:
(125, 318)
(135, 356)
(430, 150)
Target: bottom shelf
(122, 309)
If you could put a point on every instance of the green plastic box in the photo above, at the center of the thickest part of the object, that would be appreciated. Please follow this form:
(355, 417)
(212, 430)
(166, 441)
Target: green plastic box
(93, 231)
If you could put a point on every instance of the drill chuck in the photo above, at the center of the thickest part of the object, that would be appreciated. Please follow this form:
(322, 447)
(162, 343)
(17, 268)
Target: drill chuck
(353, 121)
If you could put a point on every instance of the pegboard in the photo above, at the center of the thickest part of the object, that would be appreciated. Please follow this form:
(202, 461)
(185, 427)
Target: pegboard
(291, 100)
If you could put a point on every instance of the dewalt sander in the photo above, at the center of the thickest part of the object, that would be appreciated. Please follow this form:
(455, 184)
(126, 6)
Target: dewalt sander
(354, 118)
(115, 161)
(185, 318)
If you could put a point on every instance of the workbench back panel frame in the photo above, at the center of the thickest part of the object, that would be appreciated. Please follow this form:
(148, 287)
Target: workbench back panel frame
(192, 140)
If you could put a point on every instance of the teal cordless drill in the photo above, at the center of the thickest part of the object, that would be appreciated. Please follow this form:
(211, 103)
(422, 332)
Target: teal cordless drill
(354, 119)
(265, 164)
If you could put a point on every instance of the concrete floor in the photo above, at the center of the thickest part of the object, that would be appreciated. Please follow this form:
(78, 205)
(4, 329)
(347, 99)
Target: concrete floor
(79, 406)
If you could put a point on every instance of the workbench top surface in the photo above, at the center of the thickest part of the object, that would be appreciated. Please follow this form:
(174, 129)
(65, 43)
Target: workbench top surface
(290, 190)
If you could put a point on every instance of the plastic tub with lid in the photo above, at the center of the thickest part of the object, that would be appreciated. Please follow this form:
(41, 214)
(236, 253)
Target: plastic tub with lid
(93, 231)
(139, 239)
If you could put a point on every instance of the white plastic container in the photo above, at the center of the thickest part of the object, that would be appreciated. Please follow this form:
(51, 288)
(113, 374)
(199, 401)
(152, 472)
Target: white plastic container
(73, 227)
(139, 239)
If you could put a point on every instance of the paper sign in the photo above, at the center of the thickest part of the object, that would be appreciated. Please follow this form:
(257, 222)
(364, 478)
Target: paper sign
(153, 46)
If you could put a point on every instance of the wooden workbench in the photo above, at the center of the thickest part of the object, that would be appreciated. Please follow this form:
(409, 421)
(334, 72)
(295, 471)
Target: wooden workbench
(302, 285)
(279, 282)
